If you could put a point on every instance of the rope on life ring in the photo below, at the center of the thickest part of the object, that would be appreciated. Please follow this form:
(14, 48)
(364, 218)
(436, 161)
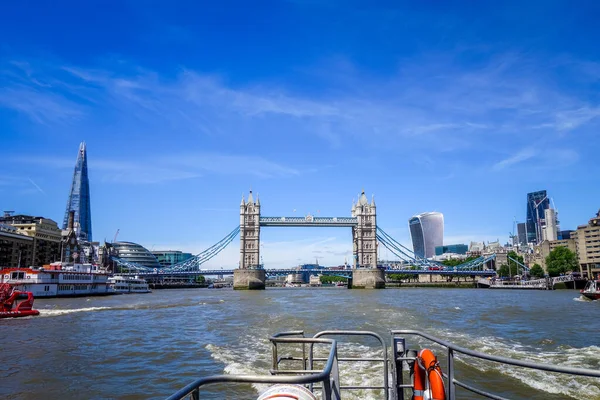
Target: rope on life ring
(428, 379)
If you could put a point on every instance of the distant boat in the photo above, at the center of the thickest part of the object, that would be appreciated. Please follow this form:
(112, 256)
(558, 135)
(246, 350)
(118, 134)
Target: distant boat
(591, 290)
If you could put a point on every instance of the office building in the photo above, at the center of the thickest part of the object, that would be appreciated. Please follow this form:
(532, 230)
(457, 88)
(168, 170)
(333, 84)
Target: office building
(451, 248)
(537, 203)
(522, 234)
(46, 236)
(16, 250)
(166, 258)
(549, 229)
(79, 198)
(134, 253)
(427, 233)
(587, 241)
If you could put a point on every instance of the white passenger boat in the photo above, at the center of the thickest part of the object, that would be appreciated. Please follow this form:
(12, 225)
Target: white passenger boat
(128, 284)
(58, 280)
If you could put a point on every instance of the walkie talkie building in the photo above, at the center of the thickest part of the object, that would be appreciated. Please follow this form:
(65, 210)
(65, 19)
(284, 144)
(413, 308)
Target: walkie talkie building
(79, 198)
(427, 232)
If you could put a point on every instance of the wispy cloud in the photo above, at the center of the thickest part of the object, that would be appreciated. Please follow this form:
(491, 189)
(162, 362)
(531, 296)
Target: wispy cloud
(434, 101)
(172, 168)
(545, 160)
(521, 156)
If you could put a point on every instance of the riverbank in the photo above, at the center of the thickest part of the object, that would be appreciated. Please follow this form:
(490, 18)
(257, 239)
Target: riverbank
(447, 285)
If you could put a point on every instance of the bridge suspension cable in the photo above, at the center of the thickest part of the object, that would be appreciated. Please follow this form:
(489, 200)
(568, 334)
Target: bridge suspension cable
(404, 253)
(191, 264)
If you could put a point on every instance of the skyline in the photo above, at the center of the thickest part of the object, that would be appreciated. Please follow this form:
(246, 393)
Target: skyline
(186, 107)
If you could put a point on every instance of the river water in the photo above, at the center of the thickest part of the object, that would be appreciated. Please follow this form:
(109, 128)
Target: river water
(150, 345)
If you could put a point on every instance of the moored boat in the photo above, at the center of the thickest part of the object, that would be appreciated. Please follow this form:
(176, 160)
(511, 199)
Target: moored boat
(58, 280)
(10, 307)
(591, 290)
(127, 284)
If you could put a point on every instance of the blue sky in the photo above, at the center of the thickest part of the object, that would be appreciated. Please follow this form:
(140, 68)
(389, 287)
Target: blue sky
(457, 107)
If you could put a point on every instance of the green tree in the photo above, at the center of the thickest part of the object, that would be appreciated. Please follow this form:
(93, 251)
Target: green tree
(200, 279)
(503, 271)
(332, 279)
(514, 267)
(536, 271)
(561, 260)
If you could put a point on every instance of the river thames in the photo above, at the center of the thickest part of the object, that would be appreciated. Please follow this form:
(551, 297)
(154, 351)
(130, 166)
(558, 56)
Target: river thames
(150, 345)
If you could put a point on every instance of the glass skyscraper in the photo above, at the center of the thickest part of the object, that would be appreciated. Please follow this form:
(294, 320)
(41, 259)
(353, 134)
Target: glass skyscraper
(427, 233)
(537, 203)
(79, 198)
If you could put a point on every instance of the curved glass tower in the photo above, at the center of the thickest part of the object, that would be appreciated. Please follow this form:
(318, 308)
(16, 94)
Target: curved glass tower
(426, 232)
(136, 253)
(79, 198)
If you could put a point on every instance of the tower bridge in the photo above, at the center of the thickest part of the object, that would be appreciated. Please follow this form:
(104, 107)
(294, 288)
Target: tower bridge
(366, 237)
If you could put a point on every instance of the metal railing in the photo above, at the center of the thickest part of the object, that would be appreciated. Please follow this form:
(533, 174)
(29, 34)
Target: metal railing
(453, 382)
(328, 376)
(383, 359)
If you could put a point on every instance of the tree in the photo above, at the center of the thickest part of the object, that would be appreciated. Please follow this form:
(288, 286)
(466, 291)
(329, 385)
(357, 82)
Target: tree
(503, 271)
(536, 271)
(514, 266)
(561, 260)
(200, 279)
(332, 279)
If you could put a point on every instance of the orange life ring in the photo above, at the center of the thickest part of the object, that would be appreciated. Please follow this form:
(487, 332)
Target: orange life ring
(428, 377)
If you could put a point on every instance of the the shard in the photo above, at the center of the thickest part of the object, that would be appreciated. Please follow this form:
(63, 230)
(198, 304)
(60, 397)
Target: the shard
(79, 198)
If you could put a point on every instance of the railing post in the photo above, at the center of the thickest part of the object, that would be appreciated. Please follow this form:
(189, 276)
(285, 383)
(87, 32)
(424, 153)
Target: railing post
(451, 387)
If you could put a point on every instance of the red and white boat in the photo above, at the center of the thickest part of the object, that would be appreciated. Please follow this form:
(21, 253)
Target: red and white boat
(10, 307)
(591, 290)
(58, 280)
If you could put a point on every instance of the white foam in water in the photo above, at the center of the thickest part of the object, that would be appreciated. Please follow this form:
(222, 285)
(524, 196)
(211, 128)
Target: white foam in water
(255, 358)
(575, 387)
(54, 313)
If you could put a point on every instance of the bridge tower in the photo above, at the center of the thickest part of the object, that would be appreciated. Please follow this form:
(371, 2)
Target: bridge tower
(365, 273)
(364, 234)
(250, 233)
(250, 274)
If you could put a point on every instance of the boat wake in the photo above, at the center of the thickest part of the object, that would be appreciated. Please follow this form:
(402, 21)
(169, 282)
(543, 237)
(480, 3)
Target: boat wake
(54, 313)
(583, 299)
(586, 357)
(254, 357)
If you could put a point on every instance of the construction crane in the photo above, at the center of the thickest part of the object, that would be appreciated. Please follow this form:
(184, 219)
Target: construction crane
(115, 238)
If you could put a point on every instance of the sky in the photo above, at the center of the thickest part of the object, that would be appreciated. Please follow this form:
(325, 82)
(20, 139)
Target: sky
(459, 107)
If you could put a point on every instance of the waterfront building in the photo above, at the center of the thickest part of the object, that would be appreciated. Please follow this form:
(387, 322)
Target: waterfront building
(46, 236)
(537, 203)
(451, 248)
(135, 253)
(16, 250)
(522, 234)
(427, 232)
(587, 242)
(79, 198)
(541, 251)
(166, 258)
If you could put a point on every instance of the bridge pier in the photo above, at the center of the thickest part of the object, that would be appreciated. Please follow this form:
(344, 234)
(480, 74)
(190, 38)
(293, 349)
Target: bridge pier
(367, 278)
(249, 279)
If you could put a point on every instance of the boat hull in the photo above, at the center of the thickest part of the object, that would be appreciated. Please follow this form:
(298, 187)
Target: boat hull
(592, 296)
(18, 314)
